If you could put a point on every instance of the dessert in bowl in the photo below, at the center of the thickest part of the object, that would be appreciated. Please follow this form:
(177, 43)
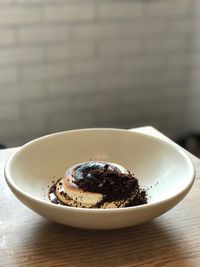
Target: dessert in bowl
(97, 184)
(163, 171)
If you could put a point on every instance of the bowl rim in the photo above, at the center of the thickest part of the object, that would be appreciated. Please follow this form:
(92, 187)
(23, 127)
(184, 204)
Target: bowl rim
(15, 188)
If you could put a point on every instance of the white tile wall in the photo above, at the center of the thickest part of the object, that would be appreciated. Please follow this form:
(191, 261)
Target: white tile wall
(42, 34)
(22, 55)
(65, 13)
(120, 10)
(168, 8)
(45, 72)
(74, 86)
(7, 36)
(79, 51)
(120, 47)
(95, 31)
(193, 103)
(68, 64)
(15, 15)
(22, 128)
(8, 74)
(17, 93)
(8, 112)
(96, 66)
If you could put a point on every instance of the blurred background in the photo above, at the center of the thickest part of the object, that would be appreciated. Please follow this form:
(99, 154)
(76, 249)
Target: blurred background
(68, 64)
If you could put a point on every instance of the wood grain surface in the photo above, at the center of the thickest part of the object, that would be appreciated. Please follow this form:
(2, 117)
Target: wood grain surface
(26, 239)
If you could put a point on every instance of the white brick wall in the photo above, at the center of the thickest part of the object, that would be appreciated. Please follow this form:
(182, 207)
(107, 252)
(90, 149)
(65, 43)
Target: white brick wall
(68, 64)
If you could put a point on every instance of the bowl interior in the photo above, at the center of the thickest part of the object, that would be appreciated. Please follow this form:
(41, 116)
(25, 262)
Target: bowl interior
(161, 168)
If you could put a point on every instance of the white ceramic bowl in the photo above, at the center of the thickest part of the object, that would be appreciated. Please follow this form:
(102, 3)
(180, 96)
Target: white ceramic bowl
(161, 167)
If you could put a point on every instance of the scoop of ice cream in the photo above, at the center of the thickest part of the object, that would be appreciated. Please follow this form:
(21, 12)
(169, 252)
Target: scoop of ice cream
(97, 184)
(71, 193)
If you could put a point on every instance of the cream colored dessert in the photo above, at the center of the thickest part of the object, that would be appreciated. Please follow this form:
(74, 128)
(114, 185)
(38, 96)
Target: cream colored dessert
(67, 191)
(75, 196)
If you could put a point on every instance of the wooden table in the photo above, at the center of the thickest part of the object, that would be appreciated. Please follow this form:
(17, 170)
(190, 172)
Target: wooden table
(26, 239)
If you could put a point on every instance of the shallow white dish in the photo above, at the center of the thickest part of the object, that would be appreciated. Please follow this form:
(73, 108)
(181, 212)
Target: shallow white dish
(161, 167)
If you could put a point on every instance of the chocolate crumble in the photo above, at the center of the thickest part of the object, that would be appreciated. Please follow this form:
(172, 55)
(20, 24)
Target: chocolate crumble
(113, 186)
